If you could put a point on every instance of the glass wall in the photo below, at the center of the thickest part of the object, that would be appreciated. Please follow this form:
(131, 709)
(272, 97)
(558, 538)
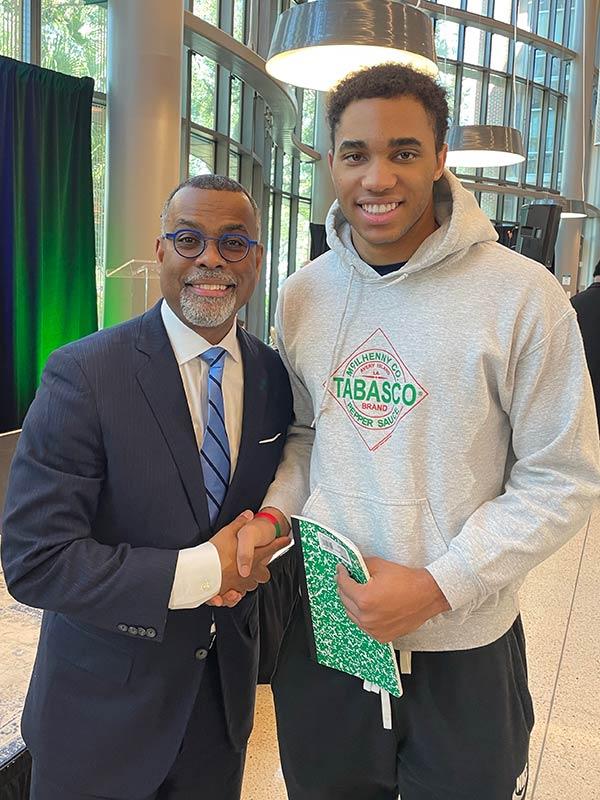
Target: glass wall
(230, 132)
(496, 79)
(492, 77)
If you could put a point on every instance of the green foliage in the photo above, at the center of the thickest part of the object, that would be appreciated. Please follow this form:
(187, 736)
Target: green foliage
(308, 116)
(10, 28)
(208, 10)
(73, 39)
(203, 91)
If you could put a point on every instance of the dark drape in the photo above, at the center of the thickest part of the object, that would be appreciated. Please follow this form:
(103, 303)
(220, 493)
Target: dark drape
(47, 252)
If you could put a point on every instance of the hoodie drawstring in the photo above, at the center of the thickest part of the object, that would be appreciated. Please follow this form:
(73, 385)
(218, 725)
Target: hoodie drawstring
(334, 353)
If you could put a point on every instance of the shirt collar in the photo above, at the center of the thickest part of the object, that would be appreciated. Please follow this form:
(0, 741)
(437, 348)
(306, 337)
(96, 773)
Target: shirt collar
(187, 344)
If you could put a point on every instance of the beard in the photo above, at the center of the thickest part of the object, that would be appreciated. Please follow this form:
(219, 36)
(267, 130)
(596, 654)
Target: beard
(208, 312)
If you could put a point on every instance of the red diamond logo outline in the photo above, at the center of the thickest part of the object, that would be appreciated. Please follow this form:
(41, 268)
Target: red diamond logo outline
(408, 375)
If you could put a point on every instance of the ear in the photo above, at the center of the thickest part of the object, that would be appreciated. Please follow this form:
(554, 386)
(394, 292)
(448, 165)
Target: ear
(441, 163)
(330, 161)
(260, 251)
(159, 249)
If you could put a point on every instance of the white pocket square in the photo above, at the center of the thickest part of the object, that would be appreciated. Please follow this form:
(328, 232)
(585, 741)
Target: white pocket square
(272, 439)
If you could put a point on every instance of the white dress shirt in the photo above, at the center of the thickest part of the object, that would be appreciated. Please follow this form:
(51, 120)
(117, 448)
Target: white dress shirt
(198, 571)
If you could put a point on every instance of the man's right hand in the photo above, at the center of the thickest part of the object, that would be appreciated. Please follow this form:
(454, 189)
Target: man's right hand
(226, 542)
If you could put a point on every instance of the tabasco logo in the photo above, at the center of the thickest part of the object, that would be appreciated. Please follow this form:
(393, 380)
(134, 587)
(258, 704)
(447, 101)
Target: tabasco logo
(376, 389)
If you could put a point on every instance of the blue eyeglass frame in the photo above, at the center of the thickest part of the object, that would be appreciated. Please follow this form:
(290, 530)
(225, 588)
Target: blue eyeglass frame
(218, 239)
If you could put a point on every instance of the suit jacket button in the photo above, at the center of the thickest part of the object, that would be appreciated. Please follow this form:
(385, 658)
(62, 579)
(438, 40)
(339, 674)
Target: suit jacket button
(201, 654)
(150, 633)
(141, 631)
(122, 627)
(132, 630)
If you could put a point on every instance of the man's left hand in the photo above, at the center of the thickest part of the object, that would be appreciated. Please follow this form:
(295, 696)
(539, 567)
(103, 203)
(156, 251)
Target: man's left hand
(396, 600)
(228, 600)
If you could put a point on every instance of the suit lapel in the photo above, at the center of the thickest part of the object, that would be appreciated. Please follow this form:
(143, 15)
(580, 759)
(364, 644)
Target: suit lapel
(160, 381)
(255, 398)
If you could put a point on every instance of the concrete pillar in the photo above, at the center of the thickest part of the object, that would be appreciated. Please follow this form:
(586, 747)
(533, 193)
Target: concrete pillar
(577, 143)
(323, 193)
(145, 46)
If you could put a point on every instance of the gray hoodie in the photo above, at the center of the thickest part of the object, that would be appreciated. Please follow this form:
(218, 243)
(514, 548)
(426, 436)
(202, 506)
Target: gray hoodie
(444, 415)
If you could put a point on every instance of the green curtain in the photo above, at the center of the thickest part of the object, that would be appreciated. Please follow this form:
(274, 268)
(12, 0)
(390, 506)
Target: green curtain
(47, 249)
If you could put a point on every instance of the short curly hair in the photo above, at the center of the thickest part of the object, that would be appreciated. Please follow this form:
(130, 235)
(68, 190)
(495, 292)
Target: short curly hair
(388, 81)
(219, 183)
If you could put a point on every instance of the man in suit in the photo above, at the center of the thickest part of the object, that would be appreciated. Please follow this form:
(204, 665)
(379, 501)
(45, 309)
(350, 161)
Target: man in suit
(147, 446)
(587, 306)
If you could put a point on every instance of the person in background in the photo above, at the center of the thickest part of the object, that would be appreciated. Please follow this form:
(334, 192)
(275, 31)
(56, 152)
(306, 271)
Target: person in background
(444, 422)
(147, 447)
(587, 306)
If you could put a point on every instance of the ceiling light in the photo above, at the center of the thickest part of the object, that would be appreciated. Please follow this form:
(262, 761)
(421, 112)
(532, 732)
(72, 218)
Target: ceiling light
(316, 44)
(574, 209)
(484, 146)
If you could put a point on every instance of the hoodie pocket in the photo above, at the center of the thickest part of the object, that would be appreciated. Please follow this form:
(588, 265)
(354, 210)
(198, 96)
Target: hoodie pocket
(399, 530)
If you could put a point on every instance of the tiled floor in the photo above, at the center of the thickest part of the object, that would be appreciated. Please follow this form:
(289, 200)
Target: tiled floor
(561, 612)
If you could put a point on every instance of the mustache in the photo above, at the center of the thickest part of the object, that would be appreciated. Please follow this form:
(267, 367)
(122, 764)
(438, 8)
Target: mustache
(200, 275)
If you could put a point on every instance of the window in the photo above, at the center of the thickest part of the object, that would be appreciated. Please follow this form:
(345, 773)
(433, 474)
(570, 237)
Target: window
(99, 180)
(543, 20)
(550, 139)
(474, 46)
(208, 10)
(202, 155)
(303, 235)
(499, 54)
(239, 20)
(309, 100)
(11, 28)
(489, 203)
(74, 39)
(235, 109)
(203, 91)
(446, 39)
(496, 100)
(534, 136)
(447, 77)
(539, 66)
(470, 98)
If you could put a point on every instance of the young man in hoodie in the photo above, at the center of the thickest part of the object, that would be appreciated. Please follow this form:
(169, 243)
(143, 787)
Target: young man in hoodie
(587, 306)
(444, 421)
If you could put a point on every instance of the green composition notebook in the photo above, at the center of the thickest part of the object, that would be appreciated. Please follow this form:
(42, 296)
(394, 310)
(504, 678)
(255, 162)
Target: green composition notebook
(335, 641)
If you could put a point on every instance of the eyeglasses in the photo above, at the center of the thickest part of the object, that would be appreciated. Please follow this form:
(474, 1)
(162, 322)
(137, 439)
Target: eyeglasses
(191, 244)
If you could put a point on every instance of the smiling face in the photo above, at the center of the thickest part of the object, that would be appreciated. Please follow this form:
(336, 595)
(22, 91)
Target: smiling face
(383, 168)
(207, 292)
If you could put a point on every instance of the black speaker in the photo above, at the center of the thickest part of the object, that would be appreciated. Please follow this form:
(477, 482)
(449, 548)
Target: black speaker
(507, 235)
(318, 240)
(538, 229)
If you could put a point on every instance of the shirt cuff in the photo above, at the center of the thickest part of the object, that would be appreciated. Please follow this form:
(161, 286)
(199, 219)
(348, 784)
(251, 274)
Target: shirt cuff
(197, 576)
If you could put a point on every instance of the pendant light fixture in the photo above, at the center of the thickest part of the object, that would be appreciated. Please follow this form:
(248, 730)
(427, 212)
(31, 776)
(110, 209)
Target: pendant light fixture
(316, 44)
(487, 145)
(574, 209)
(484, 146)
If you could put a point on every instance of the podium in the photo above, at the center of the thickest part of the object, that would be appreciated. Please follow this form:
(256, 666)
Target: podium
(130, 290)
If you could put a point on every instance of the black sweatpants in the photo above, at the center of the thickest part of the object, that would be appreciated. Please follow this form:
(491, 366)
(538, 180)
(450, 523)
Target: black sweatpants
(460, 730)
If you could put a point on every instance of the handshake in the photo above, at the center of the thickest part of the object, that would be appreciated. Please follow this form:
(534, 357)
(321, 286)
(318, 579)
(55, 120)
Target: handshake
(245, 547)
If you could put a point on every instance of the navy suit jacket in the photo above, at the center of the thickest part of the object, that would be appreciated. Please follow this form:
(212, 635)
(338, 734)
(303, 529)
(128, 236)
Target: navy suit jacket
(105, 488)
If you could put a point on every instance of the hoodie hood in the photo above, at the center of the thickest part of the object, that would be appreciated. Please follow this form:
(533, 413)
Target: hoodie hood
(462, 224)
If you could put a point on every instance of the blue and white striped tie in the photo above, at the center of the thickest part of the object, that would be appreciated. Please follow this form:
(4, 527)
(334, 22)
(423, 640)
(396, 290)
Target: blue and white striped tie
(216, 462)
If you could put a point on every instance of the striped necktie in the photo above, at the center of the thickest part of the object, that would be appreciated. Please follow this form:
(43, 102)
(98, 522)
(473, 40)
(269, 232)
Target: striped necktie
(216, 462)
